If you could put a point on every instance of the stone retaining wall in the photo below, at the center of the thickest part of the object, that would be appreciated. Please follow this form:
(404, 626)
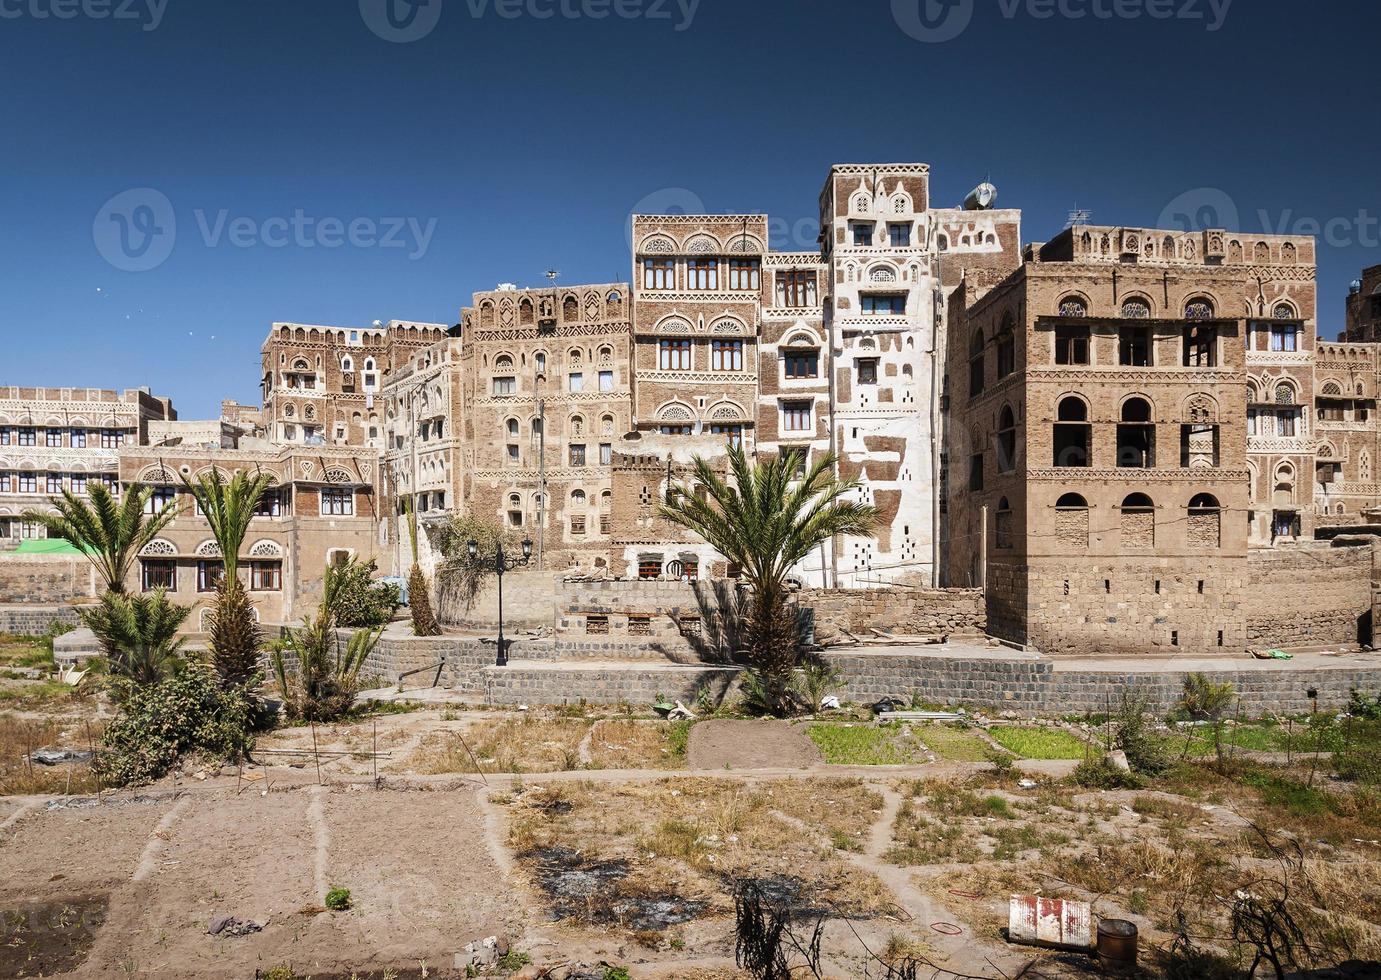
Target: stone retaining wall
(45, 579)
(35, 620)
(1036, 687)
(635, 685)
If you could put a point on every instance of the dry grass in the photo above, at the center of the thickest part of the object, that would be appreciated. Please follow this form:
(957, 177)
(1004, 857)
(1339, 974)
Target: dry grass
(529, 744)
(693, 837)
(20, 736)
(622, 744)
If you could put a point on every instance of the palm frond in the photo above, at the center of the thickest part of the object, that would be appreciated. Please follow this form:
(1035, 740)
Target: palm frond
(109, 532)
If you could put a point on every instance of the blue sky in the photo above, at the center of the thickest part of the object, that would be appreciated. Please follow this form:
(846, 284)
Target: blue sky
(323, 161)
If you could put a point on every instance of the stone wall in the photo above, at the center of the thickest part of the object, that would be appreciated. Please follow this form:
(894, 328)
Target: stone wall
(45, 579)
(35, 620)
(1308, 595)
(896, 610)
(1036, 686)
(635, 685)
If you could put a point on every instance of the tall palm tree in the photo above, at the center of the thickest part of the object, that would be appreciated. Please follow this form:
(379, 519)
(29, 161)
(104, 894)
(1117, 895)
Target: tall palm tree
(766, 520)
(228, 508)
(140, 631)
(109, 532)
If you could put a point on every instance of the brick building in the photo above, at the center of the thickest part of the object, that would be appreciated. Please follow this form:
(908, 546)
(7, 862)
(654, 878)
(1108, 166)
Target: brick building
(1126, 413)
(321, 508)
(320, 384)
(55, 439)
(1364, 308)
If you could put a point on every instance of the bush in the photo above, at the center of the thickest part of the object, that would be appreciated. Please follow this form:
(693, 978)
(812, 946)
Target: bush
(1146, 751)
(187, 712)
(363, 601)
(1361, 706)
(338, 899)
(1099, 772)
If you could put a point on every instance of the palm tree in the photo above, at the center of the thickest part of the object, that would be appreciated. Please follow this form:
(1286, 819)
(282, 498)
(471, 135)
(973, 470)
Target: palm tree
(109, 532)
(322, 683)
(140, 633)
(767, 521)
(228, 508)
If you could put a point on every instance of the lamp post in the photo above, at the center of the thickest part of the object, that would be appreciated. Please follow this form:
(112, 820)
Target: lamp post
(500, 563)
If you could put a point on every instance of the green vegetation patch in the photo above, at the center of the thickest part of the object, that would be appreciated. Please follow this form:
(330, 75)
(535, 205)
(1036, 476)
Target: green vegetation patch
(953, 743)
(1040, 743)
(867, 745)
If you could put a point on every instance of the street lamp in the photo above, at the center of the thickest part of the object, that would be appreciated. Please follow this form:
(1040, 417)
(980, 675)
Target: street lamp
(500, 563)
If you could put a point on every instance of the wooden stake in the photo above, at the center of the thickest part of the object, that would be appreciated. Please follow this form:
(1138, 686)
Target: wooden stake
(315, 755)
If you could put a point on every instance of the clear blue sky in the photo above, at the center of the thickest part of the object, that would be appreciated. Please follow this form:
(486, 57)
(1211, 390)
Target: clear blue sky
(522, 142)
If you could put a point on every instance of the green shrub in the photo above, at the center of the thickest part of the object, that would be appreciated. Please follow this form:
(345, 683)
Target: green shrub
(513, 961)
(187, 712)
(616, 973)
(1099, 772)
(1359, 757)
(1146, 751)
(338, 899)
(1361, 706)
(362, 601)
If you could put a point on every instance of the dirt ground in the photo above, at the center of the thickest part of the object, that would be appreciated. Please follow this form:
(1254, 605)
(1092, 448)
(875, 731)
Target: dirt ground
(758, 744)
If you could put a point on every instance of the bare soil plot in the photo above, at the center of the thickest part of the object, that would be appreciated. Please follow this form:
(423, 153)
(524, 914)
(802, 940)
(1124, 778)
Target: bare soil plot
(760, 744)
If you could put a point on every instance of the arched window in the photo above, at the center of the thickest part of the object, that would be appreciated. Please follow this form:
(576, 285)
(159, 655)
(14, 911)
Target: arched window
(1006, 348)
(577, 425)
(512, 427)
(1283, 311)
(1136, 435)
(1135, 308)
(577, 498)
(1072, 500)
(1073, 306)
(1006, 440)
(1285, 393)
(1138, 521)
(1073, 442)
(606, 425)
(1205, 521)
(539, 362)
(503, 363)
(1199, 308)
(1071, 520)
(347, 364)
(976, 364)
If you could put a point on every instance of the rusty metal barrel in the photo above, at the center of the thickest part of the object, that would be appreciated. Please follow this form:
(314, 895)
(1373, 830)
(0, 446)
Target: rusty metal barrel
(1117, 945)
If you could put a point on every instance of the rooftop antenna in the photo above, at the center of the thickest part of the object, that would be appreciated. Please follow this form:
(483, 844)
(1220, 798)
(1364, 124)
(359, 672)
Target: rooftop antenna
(1079, 216)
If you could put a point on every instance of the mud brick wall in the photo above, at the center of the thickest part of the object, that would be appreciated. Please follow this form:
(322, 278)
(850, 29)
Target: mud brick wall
(911, 611)
(45, 579)
(1309, 595)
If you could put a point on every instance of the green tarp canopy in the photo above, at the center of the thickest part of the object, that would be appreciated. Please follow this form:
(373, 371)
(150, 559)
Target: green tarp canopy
(52, 546)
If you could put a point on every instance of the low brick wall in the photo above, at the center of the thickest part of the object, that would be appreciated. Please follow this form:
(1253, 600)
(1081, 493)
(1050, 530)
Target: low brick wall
(35, 620)
(1035, 686)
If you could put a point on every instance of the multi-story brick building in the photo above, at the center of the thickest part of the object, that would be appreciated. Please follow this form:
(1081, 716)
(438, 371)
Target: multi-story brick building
(1125, 414)
(321, 508)
(53, 439)
(891, 259)
(320, 384)
(545, 391)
